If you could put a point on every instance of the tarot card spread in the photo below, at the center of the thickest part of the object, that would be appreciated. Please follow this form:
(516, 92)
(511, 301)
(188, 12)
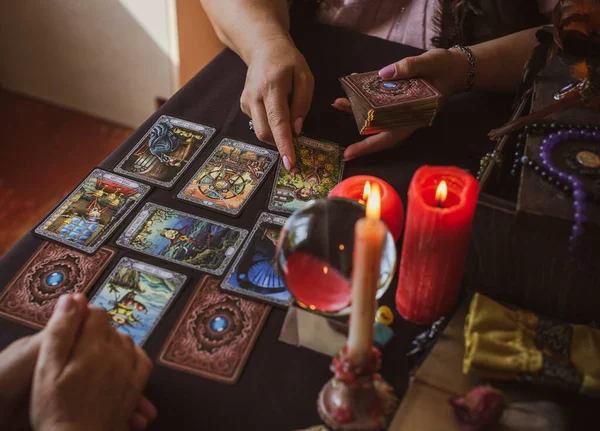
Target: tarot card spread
(254, 272)
(136, 295)
(165, 151)
(182, 238)
(93, 210)
(229, 177)
(52, 271)
(319, 167)
(215, 334)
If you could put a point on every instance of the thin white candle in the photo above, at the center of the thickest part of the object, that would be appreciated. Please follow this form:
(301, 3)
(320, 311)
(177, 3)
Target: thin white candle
(369, 236)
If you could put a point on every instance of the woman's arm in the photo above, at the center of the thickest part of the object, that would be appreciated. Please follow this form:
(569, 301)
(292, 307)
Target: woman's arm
(500, 62)
(243, 25)
(279, 85)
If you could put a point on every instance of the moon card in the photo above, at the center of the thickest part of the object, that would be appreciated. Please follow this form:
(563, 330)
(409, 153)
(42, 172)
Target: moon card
(215, 334)
(52, 271)
(230, 176)
(319, 168)
(165, 151)
(87, 216)
(254, 273)
(136, 295)
(183, 238)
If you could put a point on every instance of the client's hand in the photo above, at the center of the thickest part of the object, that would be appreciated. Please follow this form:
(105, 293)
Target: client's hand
(445, 69)
(17, 362)
(87, 375)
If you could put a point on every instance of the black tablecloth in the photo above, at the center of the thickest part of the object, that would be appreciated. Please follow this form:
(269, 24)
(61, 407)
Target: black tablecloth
(279, 386)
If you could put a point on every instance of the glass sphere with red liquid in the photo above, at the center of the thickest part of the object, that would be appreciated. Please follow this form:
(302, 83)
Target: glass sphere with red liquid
(314, 255)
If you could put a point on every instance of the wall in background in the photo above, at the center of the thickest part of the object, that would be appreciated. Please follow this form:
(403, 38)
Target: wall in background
(107, 58)
(198, 43)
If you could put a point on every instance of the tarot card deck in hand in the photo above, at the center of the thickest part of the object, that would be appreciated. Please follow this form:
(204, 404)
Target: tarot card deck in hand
(380, 105)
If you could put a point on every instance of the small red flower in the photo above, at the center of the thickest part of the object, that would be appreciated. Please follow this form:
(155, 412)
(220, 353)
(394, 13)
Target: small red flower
(479, 408)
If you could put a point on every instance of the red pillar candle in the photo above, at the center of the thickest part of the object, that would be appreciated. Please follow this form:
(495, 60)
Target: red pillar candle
(435, 242)
(392, 210)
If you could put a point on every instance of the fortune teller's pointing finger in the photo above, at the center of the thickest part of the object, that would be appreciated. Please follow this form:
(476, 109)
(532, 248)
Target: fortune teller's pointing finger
(279, 84)
(278, 73)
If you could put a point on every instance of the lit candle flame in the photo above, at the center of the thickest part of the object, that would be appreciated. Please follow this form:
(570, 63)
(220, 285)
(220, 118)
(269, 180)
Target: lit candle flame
(366, 191)
(374, 202)
(325, 270)
(441, 192)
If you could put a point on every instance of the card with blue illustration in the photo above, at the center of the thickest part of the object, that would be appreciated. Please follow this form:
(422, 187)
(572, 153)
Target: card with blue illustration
(254, 273)
(136, 295)
(165, 151)
(87, 216)
(183, 238)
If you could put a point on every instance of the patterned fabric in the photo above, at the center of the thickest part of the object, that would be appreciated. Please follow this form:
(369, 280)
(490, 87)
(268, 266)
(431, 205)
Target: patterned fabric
(506, 344)
(554, 340)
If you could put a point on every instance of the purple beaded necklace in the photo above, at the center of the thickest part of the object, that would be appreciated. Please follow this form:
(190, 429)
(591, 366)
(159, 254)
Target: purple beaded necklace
(568, 182)
(579, 195)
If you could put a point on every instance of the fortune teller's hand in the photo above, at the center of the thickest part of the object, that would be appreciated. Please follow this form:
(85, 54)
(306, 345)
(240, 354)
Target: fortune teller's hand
(87, 375)
(445, 69)
(277, 94)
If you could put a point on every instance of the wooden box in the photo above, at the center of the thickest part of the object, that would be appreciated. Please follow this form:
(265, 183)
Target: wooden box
(519, 244)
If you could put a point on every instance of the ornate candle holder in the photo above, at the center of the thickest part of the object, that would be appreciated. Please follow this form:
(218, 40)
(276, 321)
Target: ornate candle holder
(357, 397)
(317, 253)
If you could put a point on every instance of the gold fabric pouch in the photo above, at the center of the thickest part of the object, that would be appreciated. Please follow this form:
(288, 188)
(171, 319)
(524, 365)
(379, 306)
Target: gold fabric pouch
(510, 344)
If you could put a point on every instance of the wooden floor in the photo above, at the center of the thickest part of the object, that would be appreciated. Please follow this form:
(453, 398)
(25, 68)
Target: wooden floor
(45, 151)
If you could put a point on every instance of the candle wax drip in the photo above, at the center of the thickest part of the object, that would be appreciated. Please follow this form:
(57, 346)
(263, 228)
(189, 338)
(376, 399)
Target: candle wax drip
(314, 286)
